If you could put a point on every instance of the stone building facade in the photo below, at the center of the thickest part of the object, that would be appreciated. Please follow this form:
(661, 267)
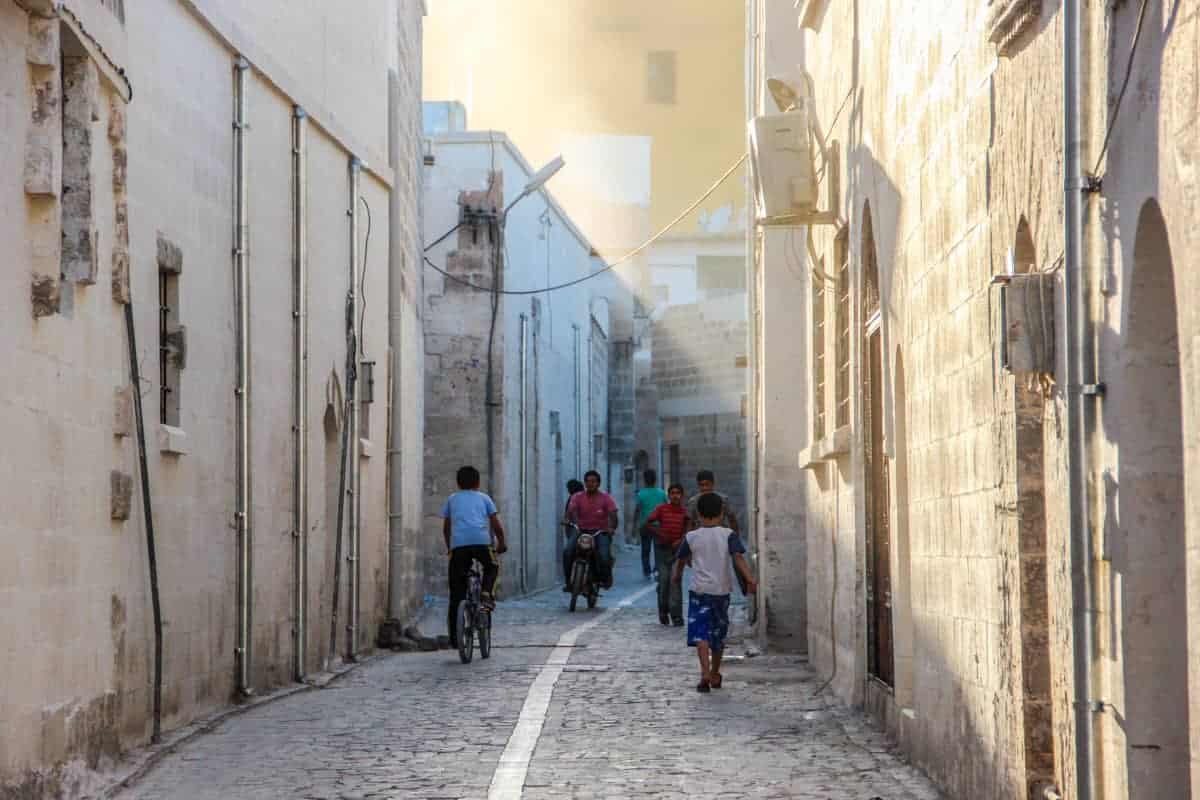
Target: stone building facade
(919, 387)
(700, 390)
(122, 127)
(550, 359)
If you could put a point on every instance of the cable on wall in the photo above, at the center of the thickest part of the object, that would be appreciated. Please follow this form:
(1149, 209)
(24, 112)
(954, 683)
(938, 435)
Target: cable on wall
(1112, 122)
(362, 279)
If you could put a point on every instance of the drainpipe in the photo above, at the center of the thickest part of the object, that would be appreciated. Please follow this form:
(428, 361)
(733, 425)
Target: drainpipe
(755, 410)
(578, 408)
(591, 432)
(524, 451)
(396, 303)
(242, 390)
(352, 389)
(135, 381)
(300, 386)
(1078, 404)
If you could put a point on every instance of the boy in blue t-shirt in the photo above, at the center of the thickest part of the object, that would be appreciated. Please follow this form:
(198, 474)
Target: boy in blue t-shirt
(469, 520)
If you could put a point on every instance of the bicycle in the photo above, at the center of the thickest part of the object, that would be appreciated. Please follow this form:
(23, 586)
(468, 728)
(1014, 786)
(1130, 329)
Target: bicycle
(474, 620)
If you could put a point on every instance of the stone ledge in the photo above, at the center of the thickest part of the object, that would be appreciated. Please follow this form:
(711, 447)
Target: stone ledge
(829, 448)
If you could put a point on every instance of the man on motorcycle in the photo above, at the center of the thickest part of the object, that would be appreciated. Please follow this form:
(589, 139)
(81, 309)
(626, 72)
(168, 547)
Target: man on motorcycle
(593, 511)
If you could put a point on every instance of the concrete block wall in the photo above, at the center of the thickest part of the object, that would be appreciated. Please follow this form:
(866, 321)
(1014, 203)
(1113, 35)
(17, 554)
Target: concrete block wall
(700, 389)
(78, 659)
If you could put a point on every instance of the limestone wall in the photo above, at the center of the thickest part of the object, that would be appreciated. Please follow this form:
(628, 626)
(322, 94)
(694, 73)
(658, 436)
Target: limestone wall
(142, 188)
(950, 128)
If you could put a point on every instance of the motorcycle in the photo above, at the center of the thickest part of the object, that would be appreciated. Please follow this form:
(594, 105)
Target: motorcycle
(583, 580)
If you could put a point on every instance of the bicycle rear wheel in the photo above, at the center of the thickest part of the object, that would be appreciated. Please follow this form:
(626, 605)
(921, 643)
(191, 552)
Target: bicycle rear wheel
(466, 636)
(484, 634)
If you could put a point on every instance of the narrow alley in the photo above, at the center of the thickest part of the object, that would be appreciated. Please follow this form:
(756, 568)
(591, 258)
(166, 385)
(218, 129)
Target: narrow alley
(882, 309)
(624, 721)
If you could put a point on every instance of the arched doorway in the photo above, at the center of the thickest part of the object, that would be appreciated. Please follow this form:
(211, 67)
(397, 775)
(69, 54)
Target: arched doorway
(332, 462)
(1151, 567)
(880, 659)
(1029, 408)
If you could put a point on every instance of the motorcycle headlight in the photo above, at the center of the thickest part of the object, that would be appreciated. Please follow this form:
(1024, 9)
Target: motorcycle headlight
(585, 542)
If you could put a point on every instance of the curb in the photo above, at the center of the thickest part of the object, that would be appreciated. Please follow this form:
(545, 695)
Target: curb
(142, 761)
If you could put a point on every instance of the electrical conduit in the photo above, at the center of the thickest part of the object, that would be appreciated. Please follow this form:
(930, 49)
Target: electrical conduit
(242, 389)
(1077, 364)
(524, 451)
(352, 421)
(300, 386)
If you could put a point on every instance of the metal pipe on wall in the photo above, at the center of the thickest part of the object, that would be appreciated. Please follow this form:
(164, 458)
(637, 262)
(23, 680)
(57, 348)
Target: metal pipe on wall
(524, 496)
(300, 386)
(578, 408)
(591, 418)
(243, 499)
(396, 302)
(353, 418)
(135, 382)
(1078, 375)
(753, 268)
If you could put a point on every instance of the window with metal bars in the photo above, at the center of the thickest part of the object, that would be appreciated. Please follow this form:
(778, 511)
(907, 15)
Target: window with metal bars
(819, 379)
(168, 347)
(841, 254)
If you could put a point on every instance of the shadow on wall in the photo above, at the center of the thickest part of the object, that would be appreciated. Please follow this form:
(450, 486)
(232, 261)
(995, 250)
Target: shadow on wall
(1148, 629)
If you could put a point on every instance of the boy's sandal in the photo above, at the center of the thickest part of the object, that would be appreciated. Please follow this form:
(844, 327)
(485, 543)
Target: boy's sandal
(714, 680)
(702, 686)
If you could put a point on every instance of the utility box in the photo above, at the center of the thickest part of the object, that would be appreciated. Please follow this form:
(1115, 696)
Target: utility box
(782, 150)
(1028, 320)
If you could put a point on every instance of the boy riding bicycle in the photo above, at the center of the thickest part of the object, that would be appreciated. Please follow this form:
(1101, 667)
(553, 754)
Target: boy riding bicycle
(469, 521)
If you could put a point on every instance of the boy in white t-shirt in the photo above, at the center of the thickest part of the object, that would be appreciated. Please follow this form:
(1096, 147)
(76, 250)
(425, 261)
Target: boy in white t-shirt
(707, 550)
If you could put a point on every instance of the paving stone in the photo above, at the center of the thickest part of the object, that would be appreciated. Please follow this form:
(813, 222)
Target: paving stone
(625, 721)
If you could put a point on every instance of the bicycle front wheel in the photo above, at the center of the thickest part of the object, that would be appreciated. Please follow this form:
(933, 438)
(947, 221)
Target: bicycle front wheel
(466, 635)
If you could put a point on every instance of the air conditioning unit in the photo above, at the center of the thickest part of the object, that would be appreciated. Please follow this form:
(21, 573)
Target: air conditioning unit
(784, 148)
(781, 147)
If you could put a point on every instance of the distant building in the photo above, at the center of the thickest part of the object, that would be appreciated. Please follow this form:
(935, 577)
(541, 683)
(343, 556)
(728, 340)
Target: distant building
(645, 101)
(550, 352)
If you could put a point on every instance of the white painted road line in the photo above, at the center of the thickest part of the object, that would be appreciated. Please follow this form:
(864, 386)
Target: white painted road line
(508, 781)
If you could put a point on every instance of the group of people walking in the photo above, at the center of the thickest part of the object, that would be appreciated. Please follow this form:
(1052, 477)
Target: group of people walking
(702, 533)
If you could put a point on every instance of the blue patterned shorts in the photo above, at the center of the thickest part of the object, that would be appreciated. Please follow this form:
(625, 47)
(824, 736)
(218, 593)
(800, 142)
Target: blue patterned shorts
(708, 619)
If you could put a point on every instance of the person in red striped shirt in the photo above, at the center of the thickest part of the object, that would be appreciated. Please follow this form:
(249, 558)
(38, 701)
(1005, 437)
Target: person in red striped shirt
(668, 524)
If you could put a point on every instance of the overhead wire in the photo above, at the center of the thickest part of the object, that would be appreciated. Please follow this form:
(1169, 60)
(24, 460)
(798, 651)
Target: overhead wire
(607, 267)
(1112, 122)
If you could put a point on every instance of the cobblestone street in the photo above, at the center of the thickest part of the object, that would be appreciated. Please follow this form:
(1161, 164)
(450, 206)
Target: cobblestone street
(624, 720)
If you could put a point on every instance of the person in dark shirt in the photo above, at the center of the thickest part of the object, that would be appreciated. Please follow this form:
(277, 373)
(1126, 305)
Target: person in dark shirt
(667, 524)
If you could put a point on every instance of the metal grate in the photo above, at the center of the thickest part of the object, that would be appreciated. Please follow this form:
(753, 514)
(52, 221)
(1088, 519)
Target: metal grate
(842, 321)
(819, 379)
